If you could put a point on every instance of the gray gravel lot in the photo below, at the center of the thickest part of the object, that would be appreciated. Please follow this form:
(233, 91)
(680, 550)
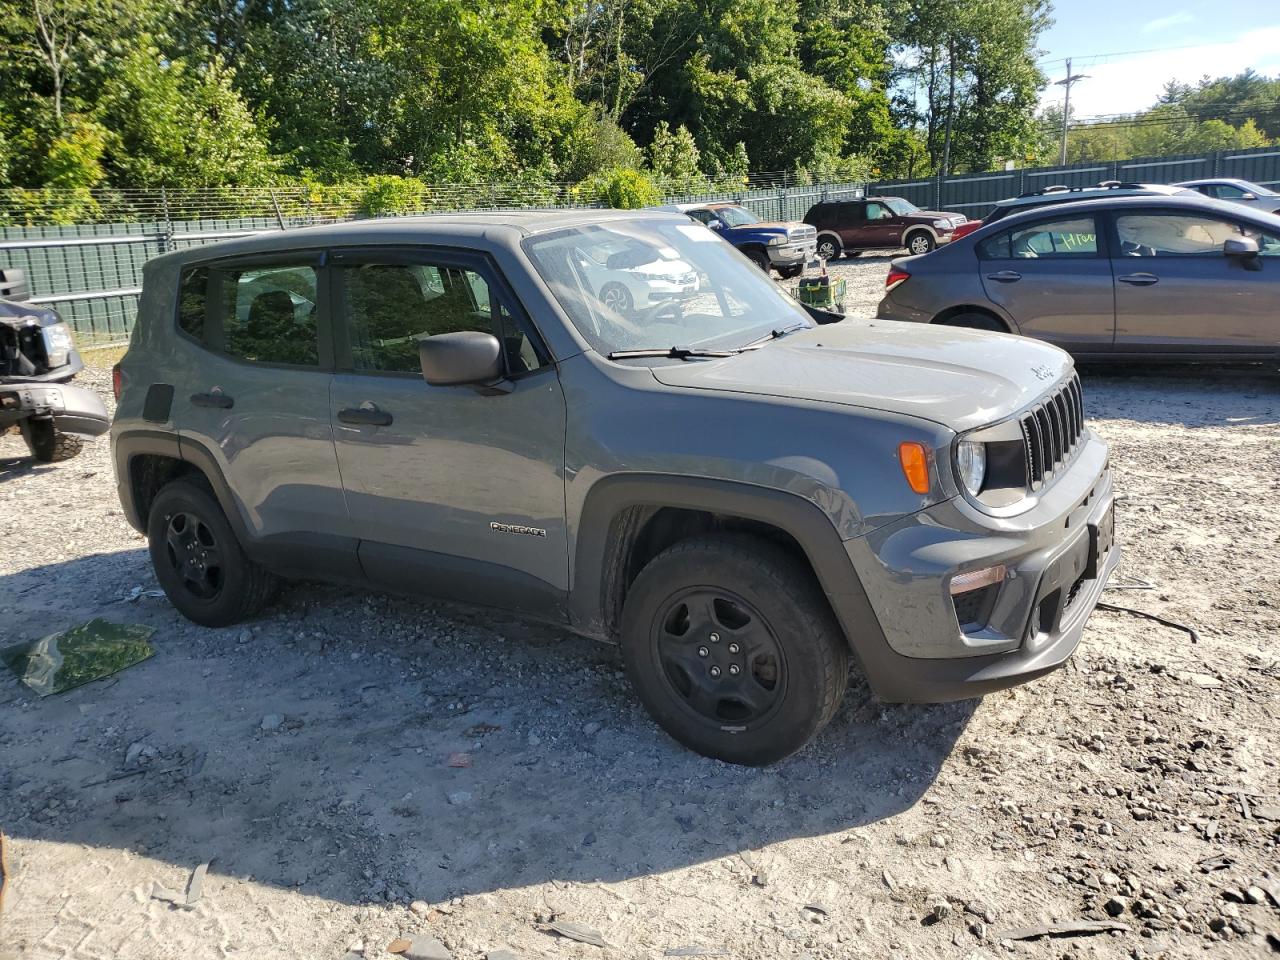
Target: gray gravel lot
(359, 768)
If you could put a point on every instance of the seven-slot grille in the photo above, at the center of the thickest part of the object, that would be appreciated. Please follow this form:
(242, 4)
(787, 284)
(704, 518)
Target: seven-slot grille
(1052, 431)
(803, 232)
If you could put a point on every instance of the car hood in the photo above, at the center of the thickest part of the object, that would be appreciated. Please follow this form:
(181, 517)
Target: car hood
(961, 379)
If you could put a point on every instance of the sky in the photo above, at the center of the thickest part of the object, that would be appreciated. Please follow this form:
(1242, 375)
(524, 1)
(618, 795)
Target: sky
(1178, 40)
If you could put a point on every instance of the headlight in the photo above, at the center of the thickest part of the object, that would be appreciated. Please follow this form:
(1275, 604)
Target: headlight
(942, 224)
(58, 343)
(971, 465)
(777, 241)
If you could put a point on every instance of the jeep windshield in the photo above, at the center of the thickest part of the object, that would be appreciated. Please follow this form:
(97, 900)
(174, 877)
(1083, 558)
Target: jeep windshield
(655, 285)
(903, 208)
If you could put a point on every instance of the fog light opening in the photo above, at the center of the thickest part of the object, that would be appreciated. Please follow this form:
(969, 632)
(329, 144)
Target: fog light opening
(977, 579)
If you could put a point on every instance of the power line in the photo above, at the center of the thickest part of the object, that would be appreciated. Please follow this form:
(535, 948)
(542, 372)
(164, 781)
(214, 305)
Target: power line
(1125, 53)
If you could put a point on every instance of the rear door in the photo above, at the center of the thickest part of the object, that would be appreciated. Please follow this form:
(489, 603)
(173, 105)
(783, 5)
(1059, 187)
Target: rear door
(854, 229)
(454, 490)
(1176, 293)
(1053, 278)
(255, 396)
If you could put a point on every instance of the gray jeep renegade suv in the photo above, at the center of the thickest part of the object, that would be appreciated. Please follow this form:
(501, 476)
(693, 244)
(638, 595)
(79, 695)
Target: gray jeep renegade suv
(740, 495)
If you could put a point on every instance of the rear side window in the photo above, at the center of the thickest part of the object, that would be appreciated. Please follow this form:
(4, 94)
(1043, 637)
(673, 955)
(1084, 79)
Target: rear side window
(1052, 239)
(193, 301)
(263, 314)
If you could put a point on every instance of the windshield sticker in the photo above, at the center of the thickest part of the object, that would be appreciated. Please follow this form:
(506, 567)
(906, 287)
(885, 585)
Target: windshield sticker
(701, 234)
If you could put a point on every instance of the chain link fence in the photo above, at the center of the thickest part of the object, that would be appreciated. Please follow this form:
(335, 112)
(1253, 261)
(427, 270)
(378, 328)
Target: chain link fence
(91, 270)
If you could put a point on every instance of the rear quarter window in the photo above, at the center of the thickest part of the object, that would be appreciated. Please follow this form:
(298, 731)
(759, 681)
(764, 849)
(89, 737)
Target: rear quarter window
(193, 302)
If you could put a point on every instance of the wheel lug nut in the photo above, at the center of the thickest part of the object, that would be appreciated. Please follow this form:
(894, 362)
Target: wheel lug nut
(703, 652)
(733, 648)
(714, 671)
(714, 638)
(734, 669)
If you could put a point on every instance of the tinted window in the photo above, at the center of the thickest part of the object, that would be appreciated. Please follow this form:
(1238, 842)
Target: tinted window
(1226, 191)
(703, 216)
(876, 211)
(268, 314)
(1077, 237)
(1173, 234)
(193, 301)
(390, 307)
(263, 314)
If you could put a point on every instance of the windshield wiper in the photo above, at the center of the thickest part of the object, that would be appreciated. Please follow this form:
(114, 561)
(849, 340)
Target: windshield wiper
(673, 353)
(774, 335)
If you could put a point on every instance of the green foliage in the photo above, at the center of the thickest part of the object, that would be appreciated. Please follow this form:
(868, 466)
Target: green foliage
(675, 160)
(74, 158)
(624, 189)
(390, 194)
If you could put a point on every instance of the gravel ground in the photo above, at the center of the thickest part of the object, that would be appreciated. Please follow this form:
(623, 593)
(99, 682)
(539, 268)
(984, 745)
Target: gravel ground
(361, 768)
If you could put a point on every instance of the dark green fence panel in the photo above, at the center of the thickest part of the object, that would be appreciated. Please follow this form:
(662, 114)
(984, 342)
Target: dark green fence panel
(974, 194)
(91, 274)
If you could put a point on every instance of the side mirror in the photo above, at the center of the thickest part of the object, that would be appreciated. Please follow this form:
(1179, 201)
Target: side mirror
(715, 225)
(450, 359)
(1248, 196)
(1244, 249)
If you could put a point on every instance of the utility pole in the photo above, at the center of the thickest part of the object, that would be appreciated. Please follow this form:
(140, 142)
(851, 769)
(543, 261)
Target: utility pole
(1066, 108)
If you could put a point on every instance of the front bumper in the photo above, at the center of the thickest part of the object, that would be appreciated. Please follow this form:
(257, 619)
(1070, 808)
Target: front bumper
(1058, 557)
(72, 409)
(789, 254)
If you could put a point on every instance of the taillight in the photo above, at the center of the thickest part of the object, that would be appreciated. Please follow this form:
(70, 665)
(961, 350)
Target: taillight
(896, 276)
(116, 380)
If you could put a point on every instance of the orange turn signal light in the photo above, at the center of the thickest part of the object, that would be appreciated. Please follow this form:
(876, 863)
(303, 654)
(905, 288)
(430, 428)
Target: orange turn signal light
(915, 465)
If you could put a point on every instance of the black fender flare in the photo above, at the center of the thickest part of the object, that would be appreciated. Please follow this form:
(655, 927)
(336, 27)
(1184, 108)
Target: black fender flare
(599, 555)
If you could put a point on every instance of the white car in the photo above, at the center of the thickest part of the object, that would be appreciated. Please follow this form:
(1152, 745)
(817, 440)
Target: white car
(627, 278)
(1254, 195)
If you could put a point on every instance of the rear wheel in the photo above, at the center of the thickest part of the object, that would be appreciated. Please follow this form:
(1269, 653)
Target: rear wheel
(199, 561)
(975, 321)
(920, 242)
(733, 651)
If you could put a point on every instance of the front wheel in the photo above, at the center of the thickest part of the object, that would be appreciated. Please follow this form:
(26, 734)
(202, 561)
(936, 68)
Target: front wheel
(790, 273)
(732, 649)
(199, 561)
(828, 248)
(920, 242)
(759, 258)
(48, 444)
(617, 298)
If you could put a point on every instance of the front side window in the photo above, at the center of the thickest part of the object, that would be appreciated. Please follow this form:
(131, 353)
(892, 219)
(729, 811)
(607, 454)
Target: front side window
(390, 307)
(652, 284)
(903, 208)
(703, 216)
(1225, 191)
(877, 211)
(1076, 237)
(1173, 234)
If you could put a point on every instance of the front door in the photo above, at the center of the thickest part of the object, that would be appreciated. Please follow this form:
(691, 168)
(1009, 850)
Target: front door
(252, 378)
(1051, 277)
(456, 491)
(1176, 293)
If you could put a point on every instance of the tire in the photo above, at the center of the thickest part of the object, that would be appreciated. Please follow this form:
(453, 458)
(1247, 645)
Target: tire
(974, 320)
(829, 248)
(618, 298)
(697, 601)
(48, 444)
(919, 242)
(759, 258)
(790, 273)
(216, 584)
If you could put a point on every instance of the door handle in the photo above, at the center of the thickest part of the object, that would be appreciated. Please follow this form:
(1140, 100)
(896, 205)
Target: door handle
(1139, 279)
(366, 416)
(216, 399)
(1005, 276)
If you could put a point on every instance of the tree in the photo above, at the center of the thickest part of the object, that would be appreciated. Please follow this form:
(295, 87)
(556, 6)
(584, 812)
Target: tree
(178, 124)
